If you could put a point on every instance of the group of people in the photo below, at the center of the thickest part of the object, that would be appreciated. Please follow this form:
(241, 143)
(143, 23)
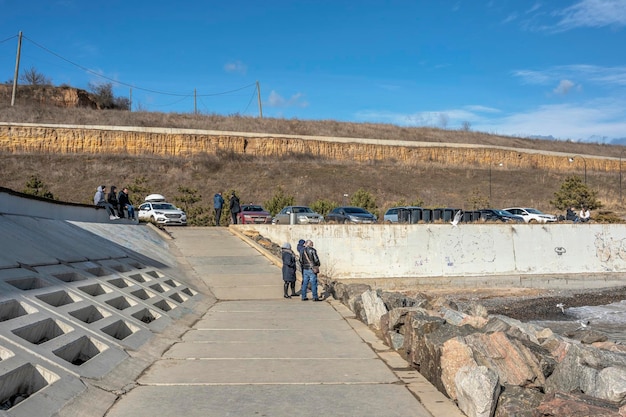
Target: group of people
(309, 265)
(582, 217)
(117, 204)
(234, 206)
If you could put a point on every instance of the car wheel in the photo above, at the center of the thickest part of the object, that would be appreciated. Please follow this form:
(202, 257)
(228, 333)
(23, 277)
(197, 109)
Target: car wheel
(152, 219)
(344, 221)
(387, 221)
(532, 221)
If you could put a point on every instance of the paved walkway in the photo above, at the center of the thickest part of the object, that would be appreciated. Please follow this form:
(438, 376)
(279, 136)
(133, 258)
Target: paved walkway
(255, 353)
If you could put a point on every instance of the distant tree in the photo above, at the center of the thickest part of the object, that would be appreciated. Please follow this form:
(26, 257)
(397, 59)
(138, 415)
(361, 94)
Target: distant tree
(417, 202)
(187, 197)
(140, 188)
(102, 94)
(279, 201)
(575, 193)
(323, 207)
(364, 199)
(466, 126)
(197, 215)
(121, 103)
(476, 200)
(34, 186)
(33, 77)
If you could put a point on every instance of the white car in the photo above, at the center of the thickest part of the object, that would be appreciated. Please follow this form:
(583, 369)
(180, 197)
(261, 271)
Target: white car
(157, 210)
(531, 215)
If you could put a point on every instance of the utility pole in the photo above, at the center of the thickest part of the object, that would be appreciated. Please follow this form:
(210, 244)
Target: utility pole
(130, 99)
(17, 68)
(258, 90)
(195, 102)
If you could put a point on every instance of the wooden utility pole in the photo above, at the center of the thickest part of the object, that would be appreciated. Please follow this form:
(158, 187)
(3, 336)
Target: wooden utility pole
(258, 90)
(17, 68)
(195, 102)
(130, 99)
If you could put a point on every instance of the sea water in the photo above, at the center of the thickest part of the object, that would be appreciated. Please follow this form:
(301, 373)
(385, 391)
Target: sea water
(609, 319)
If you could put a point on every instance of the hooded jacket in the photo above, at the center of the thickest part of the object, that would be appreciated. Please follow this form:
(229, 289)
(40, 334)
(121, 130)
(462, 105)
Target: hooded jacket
(99, 196)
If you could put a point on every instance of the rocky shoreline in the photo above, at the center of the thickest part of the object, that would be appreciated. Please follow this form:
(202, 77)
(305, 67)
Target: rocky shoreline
(492, 365)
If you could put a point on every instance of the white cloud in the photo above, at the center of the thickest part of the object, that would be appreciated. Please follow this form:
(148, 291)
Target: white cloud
(587, 74)
(533, 8)
(510, 18)
(564, 87)
(583, 121)
(236, 67)
(454, 118)
(592, 13)
(276, 100)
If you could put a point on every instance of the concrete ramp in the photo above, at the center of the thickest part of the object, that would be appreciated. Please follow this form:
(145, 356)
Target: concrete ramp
(78, 302)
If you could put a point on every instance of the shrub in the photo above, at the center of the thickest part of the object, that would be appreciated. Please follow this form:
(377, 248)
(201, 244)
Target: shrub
(574, 193)
(34, 186)
(279, 201)
(323, 207)
(364, 199)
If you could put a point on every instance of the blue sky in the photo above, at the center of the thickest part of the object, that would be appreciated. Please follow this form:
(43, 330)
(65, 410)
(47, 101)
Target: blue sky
(523, 68)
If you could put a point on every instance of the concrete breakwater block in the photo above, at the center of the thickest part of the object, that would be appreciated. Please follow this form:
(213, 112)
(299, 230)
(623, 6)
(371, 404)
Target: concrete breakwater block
(66, 321)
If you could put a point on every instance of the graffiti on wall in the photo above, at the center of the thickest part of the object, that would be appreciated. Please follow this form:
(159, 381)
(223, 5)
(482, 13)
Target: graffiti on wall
(610, 252)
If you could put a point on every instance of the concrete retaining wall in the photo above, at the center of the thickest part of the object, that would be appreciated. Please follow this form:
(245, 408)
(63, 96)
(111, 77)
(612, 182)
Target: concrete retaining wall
(13, 202)
(470, 254)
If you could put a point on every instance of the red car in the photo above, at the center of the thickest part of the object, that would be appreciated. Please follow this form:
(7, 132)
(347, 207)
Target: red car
(253, 213)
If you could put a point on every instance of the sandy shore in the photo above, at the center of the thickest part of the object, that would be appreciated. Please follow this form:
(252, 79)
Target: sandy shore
(531, 304)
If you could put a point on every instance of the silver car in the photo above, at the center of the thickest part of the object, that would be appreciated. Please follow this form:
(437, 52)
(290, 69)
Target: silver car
(304, 215)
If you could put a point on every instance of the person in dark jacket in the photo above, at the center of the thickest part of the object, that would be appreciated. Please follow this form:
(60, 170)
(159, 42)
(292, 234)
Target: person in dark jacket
(289, 270)
(571, 215)
(300, 248)
(218, 203)
(235, 207)
(112, 200)
(125, 206)
(310, 268)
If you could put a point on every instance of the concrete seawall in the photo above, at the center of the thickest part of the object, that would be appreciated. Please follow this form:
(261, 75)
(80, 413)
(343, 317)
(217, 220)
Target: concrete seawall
(531, 255)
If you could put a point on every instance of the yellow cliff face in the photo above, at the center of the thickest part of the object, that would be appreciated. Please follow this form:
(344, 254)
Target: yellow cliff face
(16, 138)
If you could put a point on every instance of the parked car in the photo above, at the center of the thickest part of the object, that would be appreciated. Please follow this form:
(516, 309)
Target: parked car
(253, 214)
(391, 215)
(304, 215)
(157, 210)
(499, 215)
(350, 215)
(532, 215)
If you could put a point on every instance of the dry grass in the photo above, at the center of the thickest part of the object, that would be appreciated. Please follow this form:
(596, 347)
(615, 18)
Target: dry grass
(75, 177)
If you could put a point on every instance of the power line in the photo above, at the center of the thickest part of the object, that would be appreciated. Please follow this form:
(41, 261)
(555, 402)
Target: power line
(250, 102)
(184, 95)
(8, 39)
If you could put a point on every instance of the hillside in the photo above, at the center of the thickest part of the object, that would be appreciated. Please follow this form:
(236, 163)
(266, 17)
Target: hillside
(438, 181)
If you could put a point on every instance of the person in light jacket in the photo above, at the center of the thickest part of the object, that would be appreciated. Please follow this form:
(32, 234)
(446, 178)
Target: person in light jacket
(99, 199)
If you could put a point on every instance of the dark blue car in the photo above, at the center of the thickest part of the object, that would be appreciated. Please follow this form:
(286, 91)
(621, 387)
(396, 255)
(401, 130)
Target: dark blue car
(500, 215)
